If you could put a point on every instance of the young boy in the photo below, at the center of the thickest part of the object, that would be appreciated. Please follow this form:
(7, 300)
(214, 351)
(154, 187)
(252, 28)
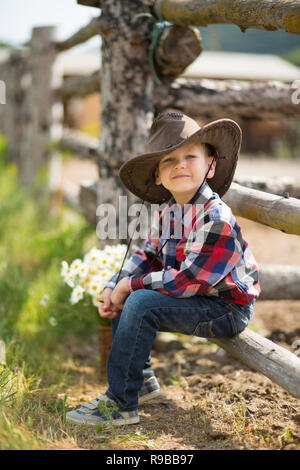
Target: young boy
(203, 282)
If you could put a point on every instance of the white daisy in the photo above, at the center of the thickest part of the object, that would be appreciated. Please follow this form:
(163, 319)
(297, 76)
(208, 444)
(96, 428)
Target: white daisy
(77, 294)
(92, 256)
(44, 300)
(64, 268)
(52, 321)
(96, 300)
(83, 270)
(75, 266)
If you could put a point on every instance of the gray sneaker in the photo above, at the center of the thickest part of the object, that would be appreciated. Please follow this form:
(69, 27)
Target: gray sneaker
(150, 390)
(102, 411)
(89, 412)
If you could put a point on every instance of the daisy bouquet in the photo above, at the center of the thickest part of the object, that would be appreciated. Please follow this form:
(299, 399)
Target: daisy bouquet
(88, 276)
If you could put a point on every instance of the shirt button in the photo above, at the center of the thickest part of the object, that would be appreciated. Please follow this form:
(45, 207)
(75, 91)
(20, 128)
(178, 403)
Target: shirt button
(172, 236)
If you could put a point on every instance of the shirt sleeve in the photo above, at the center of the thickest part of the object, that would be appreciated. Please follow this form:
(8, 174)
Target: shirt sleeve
(212, 254)
(143, 260)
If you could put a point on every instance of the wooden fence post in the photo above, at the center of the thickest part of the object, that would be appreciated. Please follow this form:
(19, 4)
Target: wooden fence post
(38, 103)
(14, 72)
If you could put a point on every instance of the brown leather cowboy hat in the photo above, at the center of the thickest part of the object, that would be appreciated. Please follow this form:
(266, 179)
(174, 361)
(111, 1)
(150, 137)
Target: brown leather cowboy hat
(170, 131)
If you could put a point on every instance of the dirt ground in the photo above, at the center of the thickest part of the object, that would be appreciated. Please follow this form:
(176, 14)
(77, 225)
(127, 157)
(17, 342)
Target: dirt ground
(212, 401)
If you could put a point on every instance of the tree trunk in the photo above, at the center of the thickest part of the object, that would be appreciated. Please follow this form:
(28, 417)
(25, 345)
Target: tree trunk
(264, 14)
(212, 99)
(126, 90)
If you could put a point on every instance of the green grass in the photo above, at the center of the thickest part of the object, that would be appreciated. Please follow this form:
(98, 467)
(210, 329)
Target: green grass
(33, 243)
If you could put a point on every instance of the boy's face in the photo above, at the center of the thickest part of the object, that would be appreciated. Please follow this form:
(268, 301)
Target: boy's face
(182, 171)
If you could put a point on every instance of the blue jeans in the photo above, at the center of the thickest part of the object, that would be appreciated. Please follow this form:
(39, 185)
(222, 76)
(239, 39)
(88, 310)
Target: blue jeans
(146, 312)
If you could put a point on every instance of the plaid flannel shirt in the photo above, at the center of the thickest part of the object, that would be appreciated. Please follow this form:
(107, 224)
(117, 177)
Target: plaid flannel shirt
(209, 257)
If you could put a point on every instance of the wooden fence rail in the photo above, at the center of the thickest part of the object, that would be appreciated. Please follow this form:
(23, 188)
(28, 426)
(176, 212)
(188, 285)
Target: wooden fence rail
(207, 98)
(268, 209)
(269, 15)
(264, 14)
(82, 35)
(266, 357)
(79, 86)
(279, 212)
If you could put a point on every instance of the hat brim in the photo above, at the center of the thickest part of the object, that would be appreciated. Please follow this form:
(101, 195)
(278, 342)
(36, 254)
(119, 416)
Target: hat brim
(137, 174)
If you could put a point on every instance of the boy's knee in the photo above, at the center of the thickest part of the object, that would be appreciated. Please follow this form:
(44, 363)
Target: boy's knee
(139, 303)
(141, 297)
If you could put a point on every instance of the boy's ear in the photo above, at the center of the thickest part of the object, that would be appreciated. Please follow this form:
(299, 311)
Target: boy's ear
(157, 177)
(211, 173)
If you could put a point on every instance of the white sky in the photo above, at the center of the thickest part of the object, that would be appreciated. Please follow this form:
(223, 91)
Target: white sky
(18, 17)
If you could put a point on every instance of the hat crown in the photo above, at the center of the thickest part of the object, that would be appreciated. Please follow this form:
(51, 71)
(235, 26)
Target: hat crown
(170, 129)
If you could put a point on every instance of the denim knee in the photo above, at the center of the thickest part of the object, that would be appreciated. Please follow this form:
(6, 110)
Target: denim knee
(139, 304)
(139, 300)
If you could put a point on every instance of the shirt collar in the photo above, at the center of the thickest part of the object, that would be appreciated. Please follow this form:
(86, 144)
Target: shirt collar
(200, 198)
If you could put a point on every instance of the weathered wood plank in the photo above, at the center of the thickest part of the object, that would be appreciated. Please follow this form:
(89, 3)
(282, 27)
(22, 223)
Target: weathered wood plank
(259, 353)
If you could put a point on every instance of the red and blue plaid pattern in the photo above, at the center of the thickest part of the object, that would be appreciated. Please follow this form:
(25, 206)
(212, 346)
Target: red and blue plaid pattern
(209, 257)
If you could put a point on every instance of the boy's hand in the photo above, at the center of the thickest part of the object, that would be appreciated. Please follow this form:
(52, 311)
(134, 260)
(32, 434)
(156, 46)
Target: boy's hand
(113, 299)
(120, 293)
(107, 309)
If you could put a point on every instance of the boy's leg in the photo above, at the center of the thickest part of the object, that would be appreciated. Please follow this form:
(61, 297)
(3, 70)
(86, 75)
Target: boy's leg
(147, 370)
(145, 312)
(150, 389)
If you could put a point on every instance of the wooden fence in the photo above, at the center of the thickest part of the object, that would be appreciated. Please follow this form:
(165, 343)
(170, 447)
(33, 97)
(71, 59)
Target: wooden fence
(32, 121)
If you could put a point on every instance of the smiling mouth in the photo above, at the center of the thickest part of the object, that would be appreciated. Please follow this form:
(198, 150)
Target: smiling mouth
(180, 176)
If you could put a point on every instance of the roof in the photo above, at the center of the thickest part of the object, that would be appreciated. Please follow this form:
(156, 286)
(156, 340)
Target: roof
(218, 65)
(242, 66)
(210, 64)
(78, 63)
